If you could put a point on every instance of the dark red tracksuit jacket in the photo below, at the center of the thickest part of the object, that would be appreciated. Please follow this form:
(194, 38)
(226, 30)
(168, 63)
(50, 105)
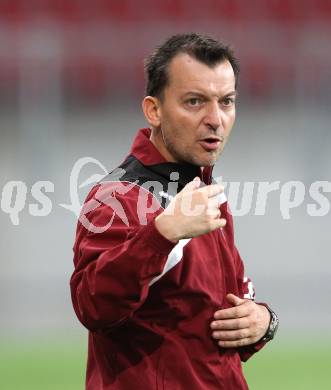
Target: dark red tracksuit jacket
(147, 302)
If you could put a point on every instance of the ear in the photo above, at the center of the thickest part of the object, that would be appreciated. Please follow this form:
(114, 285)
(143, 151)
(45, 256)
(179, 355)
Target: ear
(151, 109)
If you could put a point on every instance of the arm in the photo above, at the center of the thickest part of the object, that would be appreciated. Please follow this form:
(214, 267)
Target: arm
(113, 269)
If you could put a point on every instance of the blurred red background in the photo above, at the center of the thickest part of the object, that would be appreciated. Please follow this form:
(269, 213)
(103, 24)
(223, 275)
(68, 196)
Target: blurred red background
(95, 49)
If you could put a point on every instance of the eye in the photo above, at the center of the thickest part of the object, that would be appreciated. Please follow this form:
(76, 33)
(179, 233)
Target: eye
(194, 102)
(228, 101)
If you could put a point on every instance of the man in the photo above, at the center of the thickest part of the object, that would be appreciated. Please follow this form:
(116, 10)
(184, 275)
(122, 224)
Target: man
(158, 280)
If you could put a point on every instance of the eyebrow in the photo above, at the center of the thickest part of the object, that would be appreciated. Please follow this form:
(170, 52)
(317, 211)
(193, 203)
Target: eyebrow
(201, 94)
(231, 94)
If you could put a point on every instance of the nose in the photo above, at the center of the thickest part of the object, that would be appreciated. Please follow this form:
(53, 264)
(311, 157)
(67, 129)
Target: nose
(213, 117)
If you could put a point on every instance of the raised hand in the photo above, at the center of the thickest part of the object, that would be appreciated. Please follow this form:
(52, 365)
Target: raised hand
(193, 211)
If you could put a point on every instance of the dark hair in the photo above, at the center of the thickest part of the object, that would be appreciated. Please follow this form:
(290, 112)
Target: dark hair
(201, 47)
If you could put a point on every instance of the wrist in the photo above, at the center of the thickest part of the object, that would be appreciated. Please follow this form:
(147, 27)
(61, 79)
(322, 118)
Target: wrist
(167, 228)
(272, 325)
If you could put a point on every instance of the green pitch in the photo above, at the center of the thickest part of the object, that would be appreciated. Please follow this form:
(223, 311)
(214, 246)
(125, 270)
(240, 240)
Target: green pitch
(290, 366)
(60, 365)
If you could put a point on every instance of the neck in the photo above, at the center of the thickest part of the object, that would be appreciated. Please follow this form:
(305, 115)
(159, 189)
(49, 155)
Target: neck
(157, 140)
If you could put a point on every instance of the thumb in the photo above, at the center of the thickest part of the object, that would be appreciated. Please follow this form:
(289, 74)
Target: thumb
(192, 185)
(234, 300)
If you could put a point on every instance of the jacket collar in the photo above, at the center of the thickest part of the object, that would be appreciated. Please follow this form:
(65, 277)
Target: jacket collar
(146, 152)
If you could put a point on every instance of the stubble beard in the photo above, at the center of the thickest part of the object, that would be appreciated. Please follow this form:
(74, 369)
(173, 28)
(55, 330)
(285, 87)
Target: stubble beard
(187, 158)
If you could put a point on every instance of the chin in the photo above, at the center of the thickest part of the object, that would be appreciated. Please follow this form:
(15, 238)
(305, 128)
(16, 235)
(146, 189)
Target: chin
(210, 160)
(200, 160)
(206, 162)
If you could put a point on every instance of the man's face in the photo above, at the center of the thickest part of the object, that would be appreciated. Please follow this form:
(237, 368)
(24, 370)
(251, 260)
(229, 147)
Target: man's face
(197, 111)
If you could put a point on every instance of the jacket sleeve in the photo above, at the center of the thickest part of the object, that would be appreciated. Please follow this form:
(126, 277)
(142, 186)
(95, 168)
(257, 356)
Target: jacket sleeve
(113, 268)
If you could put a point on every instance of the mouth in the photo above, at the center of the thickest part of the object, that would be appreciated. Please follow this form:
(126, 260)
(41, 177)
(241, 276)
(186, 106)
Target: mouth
(211, 143)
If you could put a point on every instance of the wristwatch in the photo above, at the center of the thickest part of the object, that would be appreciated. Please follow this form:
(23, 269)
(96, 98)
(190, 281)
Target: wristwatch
(273, 326)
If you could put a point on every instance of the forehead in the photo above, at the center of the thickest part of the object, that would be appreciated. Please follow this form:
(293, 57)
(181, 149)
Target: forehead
(186, 73)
